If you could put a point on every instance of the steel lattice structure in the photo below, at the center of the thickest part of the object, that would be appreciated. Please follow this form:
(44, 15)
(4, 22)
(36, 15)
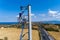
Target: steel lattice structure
(22, 21)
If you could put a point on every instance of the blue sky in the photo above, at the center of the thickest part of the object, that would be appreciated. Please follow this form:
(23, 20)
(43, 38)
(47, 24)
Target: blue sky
(42, 10)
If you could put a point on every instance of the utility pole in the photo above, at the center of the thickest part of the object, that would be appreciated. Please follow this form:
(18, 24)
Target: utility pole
(29, 21)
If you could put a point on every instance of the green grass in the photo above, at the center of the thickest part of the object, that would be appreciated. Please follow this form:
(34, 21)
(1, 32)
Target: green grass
(51, 29)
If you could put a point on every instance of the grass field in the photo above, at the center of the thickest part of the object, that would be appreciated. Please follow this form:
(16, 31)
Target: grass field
(56, 35)
(14, 34)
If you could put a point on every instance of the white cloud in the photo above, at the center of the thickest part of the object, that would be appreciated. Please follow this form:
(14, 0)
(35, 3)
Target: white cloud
(17, 16)
(35, 16)
(51, 15)
(55, 14)
(32, 14)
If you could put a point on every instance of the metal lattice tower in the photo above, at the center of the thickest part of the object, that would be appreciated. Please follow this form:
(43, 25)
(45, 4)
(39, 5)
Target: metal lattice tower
(21, 21)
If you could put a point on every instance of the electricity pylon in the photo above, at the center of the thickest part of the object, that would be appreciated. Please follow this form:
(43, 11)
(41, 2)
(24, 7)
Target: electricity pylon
(28, 8)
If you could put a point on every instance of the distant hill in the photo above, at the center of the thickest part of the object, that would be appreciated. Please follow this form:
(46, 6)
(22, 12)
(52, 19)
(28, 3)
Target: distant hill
(8, 23)
(47, 22)
(41, 22)
(51, 22)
